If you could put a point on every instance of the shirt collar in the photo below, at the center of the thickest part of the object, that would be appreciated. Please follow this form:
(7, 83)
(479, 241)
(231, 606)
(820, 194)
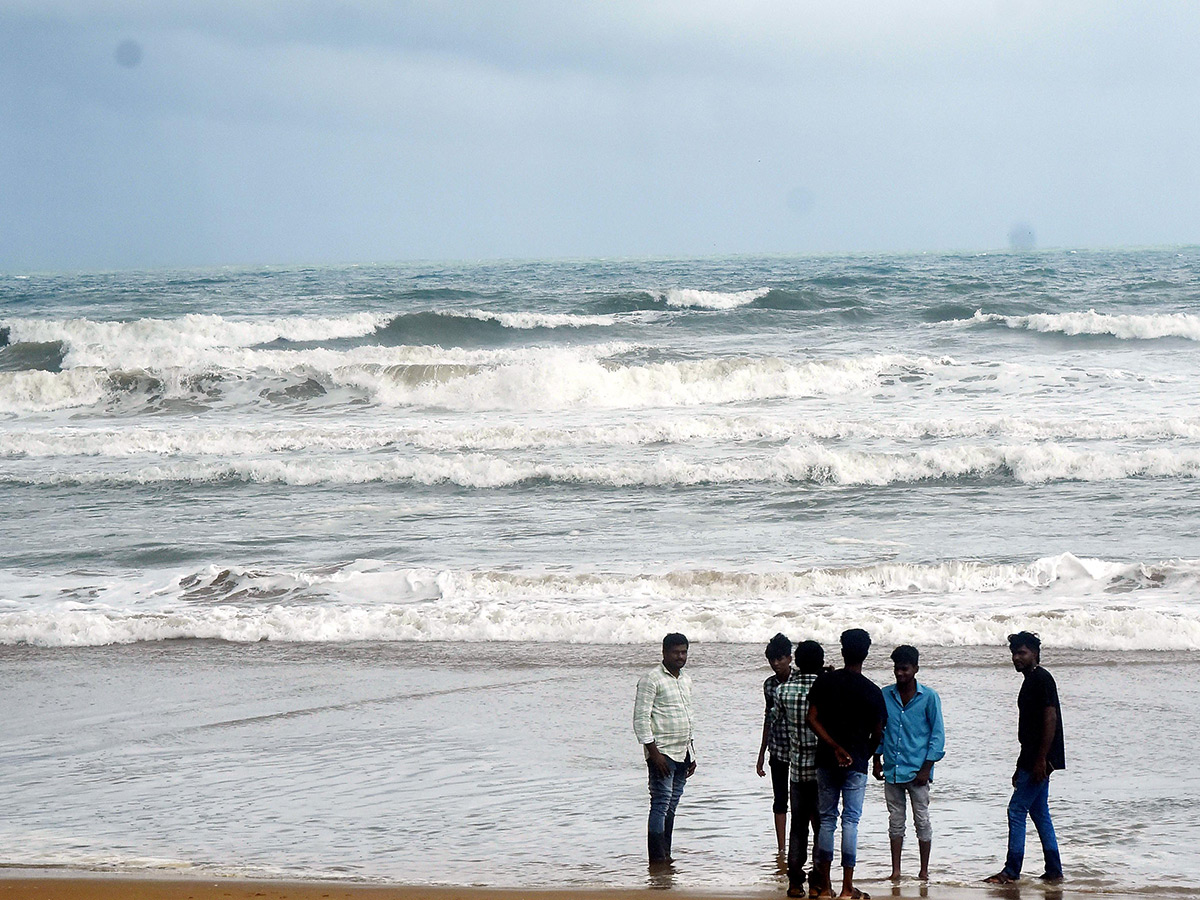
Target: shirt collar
(895, 689)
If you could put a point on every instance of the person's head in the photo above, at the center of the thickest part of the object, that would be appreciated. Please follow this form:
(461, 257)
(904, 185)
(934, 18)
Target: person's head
(779, 655)
(856, 643)
(1026, 650)
(810, 657)
(675, 649)
(905, 663)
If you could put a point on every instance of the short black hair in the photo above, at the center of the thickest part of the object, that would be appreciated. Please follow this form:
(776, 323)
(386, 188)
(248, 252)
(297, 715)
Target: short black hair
(1025, 639)
(855, 644)
(674, 639)
(810, 657)
(779, 647)
(906, 655)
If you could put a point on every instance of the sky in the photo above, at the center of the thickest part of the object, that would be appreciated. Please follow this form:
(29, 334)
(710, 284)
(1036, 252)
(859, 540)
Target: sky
(152, 133)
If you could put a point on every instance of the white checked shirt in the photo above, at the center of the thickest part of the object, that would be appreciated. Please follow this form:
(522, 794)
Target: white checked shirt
(662, 712)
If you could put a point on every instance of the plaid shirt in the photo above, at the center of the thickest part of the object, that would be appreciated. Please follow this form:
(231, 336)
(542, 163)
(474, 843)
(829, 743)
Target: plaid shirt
(791, 708)
(662, 712)
(777, 731)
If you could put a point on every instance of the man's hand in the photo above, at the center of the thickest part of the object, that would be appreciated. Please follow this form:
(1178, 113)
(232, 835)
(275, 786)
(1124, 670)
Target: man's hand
(1014, 778)
(658, 762)
(691, 769)
(922, 777)
(844, 759)
(1040, 771)
(877, 768)
(758, 767)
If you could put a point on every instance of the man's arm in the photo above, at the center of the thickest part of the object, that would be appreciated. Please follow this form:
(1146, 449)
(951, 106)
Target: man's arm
(1041, 769)
(877, 735)
(843, 758)
(643, 703)
(762, 748)
(937, 741)
(771, 713)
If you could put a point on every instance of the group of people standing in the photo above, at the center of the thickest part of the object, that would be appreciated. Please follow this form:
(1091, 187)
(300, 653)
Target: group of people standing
(824, 730)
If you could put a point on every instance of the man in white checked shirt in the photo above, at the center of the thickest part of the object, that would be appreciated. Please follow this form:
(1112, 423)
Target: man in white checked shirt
(662, 722)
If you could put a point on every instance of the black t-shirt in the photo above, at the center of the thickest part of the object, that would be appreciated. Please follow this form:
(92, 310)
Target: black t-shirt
(1038, 692)
(849, 706)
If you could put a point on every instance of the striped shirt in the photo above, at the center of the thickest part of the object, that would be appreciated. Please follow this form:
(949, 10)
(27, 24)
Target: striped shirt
(662, 712)
(791, 708)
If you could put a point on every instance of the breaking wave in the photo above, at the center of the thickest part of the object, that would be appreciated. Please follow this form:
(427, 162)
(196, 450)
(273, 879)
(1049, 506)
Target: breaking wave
(1125, 327)
(229, 440)
(803, 464)
(460, 379)
(688, 298)
(1071, 602)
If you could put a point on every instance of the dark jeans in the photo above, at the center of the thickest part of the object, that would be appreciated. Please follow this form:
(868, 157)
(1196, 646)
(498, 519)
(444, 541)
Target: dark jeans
(665, 791)
(804, 813)
(1031, 799)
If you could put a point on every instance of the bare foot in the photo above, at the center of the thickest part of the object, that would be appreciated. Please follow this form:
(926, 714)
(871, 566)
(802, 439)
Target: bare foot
(895, 876)
(923, 875)
(1000, 877)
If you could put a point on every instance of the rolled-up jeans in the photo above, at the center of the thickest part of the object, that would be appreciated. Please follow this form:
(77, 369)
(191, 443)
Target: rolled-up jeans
(897, 796)
(1031, 798)
(850, 788)
(665, 791)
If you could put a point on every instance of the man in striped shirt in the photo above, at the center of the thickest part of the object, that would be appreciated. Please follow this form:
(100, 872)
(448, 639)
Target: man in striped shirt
(662, 723)
(791, 708)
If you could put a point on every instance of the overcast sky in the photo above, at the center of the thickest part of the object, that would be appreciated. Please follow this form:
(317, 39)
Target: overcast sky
(160, 133)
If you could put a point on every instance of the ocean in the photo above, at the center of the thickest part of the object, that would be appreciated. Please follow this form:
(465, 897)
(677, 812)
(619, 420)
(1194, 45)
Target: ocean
(342, 508)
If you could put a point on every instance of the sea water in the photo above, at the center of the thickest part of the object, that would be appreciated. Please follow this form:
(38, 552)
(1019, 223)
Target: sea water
(941, 449)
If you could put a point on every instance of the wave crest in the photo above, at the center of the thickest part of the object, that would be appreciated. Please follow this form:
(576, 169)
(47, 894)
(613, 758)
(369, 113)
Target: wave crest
(1125, 327)
(1071, 602)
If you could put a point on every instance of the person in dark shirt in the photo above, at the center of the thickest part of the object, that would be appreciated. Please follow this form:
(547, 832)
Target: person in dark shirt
(847, 713)
(1040, 733)
(775, 734)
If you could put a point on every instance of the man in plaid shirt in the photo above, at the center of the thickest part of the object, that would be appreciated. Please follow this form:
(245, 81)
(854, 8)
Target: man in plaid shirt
(791, 708)
(662, 723)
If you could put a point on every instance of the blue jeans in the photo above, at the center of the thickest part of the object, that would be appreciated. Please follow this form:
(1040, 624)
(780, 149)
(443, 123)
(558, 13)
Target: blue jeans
(850, 787)
(1031, 799)
(665, 791)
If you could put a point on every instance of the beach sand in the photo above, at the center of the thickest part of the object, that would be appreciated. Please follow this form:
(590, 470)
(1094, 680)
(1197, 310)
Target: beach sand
(42, 886)
(198, 763)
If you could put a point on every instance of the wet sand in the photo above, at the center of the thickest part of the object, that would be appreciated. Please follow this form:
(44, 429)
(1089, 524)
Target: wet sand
(447, 764)
(42, 886)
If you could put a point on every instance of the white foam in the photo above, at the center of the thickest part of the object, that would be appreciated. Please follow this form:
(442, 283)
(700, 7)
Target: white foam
(25, 392)
(1071, 602)
(196, 438)
(689, 298)
(1126, 327)
(557, 379)
(96, 343)
(1030, 464)
(529, 320)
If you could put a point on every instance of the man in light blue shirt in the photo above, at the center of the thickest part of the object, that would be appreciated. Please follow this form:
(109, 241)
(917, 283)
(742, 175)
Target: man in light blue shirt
(913, 740)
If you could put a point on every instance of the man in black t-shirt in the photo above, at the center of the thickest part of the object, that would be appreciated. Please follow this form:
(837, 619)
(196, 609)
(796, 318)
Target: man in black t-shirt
(846, 712)
(1040, 732)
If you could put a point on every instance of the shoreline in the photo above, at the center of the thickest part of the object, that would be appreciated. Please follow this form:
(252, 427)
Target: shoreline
(56, 884)
(76, 885)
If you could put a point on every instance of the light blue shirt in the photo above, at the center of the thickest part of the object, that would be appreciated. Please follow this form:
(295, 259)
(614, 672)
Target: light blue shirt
(913, 734)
